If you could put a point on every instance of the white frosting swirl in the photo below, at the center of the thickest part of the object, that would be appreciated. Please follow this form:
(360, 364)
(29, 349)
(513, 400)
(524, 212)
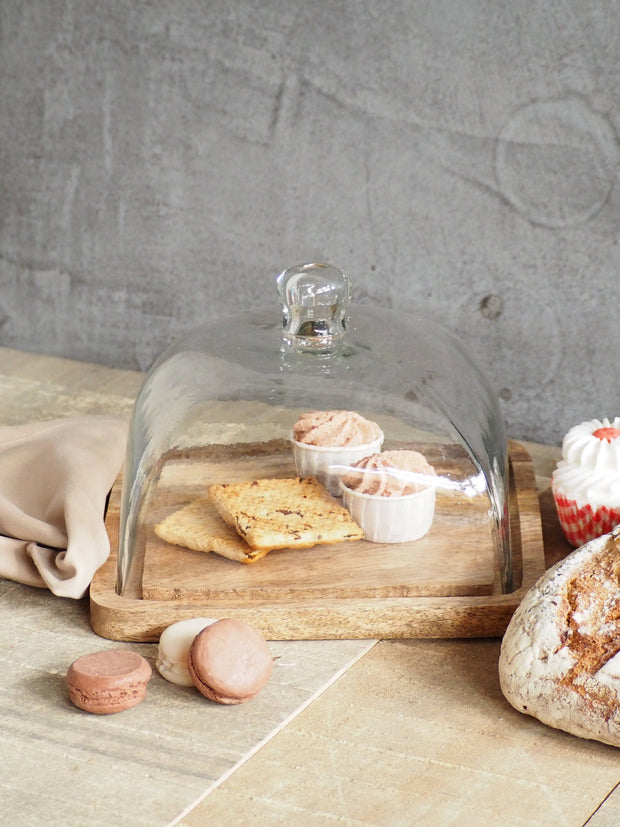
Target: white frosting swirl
(589, 471)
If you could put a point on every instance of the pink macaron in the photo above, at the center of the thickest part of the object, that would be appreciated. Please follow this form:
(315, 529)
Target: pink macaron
(108, 681)
(230, 662)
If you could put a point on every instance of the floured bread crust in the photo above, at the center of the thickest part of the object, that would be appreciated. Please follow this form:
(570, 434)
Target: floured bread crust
(560, 656)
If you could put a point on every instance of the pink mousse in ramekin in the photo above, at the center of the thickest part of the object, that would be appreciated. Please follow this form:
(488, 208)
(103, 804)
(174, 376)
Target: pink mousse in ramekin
(391, 496)
(326, 442)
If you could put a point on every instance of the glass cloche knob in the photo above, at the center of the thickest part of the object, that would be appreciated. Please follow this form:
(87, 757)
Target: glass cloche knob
(314, 301)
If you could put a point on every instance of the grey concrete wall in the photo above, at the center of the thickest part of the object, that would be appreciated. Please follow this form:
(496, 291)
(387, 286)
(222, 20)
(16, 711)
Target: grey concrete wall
(161, 162)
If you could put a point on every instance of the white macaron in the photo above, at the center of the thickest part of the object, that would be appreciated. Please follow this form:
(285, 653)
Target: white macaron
(174, 646)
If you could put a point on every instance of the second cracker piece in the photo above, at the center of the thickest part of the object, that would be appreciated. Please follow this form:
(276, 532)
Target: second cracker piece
(284, 513)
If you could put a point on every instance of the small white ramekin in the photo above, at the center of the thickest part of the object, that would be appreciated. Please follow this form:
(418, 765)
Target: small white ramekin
(328, 464)
(392, 519)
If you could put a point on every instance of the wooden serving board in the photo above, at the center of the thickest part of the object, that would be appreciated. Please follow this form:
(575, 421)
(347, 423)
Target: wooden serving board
(443, 585)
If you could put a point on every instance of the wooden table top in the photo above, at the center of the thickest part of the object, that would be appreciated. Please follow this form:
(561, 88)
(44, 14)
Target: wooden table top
(393, 732)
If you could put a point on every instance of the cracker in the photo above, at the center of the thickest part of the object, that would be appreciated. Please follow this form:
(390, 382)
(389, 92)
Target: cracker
(284, 513)
(199, 527)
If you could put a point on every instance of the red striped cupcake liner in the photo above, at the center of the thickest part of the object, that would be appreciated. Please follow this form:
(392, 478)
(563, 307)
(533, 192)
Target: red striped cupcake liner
(581, 524)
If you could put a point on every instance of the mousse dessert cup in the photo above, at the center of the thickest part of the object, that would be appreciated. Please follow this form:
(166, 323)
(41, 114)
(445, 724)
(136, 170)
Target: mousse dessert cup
(326, 443)
(586, 481)
(391, 496)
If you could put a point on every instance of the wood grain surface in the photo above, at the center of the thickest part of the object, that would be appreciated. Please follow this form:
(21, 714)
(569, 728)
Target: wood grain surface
(455, 557)
(289, 603)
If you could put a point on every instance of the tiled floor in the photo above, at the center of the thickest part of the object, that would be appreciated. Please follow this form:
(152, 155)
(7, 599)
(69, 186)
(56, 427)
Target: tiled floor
(346, 732)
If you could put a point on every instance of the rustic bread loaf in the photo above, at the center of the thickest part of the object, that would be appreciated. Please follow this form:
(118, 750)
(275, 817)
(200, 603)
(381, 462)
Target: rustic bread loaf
(559, 659)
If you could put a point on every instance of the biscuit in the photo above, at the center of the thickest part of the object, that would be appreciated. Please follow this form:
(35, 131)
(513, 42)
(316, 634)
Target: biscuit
(284, 513)
(199, 527)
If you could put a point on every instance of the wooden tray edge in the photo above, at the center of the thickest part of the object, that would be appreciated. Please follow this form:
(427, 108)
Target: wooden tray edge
(130, 619)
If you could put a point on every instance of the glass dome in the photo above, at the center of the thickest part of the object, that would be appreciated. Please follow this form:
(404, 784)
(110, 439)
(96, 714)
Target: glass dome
(337, 449)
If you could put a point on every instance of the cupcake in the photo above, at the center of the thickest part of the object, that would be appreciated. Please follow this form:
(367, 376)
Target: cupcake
(391, 496)
(325, 442)
(586, 481)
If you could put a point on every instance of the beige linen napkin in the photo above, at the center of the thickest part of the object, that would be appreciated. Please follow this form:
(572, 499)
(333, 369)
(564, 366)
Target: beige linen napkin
(54, 480)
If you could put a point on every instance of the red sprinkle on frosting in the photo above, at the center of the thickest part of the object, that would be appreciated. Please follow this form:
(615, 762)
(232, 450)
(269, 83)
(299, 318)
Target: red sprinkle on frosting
(607, 433)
